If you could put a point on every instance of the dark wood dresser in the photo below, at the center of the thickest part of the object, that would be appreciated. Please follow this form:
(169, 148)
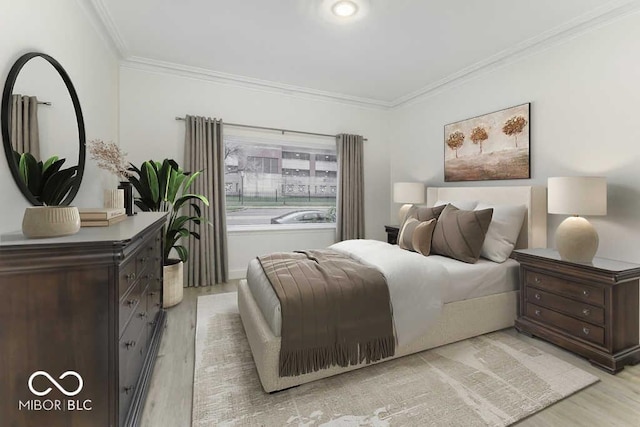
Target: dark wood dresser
(80, 324)
(589, 309)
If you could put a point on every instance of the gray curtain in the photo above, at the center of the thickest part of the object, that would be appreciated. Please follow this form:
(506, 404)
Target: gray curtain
(350, 210)
(204, 150)
(24, 125)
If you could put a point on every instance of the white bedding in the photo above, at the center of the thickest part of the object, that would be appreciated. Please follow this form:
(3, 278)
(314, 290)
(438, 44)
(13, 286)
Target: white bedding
(414, 282)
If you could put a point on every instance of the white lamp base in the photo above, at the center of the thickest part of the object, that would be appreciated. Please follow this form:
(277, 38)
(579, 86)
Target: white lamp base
(576, 240)
(402, 213)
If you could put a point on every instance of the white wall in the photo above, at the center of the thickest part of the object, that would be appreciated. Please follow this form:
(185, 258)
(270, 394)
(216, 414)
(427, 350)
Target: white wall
(64, 30)
(150, 101)
(585, 104)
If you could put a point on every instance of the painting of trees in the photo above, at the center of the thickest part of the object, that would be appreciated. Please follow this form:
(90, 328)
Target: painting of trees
(514, 126)
(455, 141)
(494, 135)
(478, 135)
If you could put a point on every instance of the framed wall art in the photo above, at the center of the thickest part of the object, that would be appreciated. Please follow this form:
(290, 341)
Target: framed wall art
(493, 146)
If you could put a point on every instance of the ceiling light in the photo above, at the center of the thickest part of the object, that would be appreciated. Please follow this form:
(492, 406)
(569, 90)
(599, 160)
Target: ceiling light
(344, 8)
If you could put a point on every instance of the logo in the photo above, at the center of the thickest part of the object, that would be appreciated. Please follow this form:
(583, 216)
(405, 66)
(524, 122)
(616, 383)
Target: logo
(55, 383)
(65, 405)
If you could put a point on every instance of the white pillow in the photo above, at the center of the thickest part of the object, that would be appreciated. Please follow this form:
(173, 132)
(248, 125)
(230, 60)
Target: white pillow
(503, 231)
(463, 205)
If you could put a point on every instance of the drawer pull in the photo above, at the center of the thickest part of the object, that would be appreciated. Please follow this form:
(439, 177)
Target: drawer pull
(537, 280)
(152, 294)
(130, 276)
(132, 302)
(538, 312)
(585, 293)
(128, 389)
(585, 331)
(537, 296)
(586, 311)
(152, 323)
(142, 315)
(130, 344)
(143, 259)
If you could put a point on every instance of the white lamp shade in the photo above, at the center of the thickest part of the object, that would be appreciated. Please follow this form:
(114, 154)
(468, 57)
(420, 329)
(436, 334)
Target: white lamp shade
(577, 195)
(408, 192)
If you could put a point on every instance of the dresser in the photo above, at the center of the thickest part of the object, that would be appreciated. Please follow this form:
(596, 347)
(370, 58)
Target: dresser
(589, 309)
(80, 324)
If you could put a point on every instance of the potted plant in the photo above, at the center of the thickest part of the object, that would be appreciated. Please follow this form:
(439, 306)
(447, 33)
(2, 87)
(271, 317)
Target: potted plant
(163, 187)
(50, 185)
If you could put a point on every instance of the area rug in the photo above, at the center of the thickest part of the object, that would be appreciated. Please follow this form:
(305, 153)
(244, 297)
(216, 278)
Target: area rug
(492, 380)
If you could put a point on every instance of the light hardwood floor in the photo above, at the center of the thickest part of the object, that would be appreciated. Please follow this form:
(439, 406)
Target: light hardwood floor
(614, 401)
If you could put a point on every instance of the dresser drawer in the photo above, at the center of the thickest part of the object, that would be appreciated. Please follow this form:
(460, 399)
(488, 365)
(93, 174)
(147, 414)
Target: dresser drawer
(126, 277)
(573, 290)
(568, 306)
(132, 348)
(129, 304)
(575, 327)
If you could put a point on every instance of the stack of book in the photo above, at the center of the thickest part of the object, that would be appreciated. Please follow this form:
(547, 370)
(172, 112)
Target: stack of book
(101, 217)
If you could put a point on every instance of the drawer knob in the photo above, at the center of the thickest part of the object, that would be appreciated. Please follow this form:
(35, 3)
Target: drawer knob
(585, 293)
(585, 331)
(128, 389)
(142, 315)
(586, 311)
(537, 280)
(130, 344)
(537, 296)
(152, 294)
(538, 312)
(130, 276)
(132, 302)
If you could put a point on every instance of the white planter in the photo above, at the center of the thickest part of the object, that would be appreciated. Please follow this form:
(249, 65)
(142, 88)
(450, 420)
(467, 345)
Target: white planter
(50, 221)
(172, 289)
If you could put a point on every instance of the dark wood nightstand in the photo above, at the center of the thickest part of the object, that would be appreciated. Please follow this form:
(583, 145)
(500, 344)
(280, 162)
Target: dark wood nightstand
(392, 233)
(589, 309)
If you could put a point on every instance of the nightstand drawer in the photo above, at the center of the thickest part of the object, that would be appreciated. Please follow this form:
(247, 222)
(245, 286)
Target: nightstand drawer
(573, 290)
(575, 327)
(568, 306)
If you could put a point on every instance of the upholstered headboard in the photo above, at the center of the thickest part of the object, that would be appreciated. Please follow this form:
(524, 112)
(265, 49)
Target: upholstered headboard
(534, 230)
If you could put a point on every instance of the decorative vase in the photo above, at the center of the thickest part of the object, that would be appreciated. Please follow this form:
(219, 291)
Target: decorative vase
(113, 199)
(50, 221)
(128, 196)
(172, 289)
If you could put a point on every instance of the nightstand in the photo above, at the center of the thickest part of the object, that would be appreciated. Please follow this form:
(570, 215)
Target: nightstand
(392, 233)
(589, 309)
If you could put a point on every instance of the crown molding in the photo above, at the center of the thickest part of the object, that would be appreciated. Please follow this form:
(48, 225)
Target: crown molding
(581, 25)
(109, 27)
(148, 64)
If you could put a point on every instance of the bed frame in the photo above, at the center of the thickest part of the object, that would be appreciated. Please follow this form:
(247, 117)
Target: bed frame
(458, 321)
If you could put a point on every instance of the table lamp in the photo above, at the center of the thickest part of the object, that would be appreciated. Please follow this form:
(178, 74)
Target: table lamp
(576, 238)
(407, 193)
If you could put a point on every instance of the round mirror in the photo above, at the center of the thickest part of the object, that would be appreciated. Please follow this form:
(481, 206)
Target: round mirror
(44, 145)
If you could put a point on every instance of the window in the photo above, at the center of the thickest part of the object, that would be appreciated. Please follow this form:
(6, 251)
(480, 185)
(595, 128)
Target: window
(262, 164)
(270, 182)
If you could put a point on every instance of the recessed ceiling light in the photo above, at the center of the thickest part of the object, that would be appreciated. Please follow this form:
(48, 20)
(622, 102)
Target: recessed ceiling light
(344, 8)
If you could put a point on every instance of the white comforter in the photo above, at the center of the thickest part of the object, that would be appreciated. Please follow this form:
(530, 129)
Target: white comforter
(415, 282)
(416, 286)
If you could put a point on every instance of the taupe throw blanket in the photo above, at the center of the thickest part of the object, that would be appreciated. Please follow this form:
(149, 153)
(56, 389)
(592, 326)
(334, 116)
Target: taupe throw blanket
(335, 310)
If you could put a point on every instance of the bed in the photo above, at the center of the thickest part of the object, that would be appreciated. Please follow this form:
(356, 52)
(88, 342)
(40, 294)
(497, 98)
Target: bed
(480, 298)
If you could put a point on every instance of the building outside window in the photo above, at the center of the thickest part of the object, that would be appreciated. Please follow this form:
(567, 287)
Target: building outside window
(270, 182)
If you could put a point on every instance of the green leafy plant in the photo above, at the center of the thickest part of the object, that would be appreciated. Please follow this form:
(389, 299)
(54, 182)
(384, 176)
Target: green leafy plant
(164, 187)
(47, 181)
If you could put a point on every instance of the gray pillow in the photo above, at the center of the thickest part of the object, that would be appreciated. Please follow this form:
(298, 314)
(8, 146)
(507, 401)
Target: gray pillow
(460, 234)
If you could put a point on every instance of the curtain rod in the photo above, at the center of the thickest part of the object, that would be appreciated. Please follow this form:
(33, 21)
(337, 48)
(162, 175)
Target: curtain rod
(275, 129)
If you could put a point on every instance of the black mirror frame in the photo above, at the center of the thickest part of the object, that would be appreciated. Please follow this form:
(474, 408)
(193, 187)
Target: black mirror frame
(6, 116)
